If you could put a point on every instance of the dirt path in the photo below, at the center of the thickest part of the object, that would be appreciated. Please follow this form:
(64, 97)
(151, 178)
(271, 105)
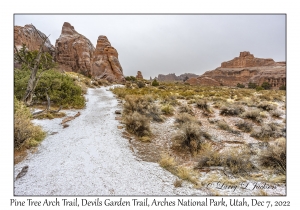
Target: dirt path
(91, 158)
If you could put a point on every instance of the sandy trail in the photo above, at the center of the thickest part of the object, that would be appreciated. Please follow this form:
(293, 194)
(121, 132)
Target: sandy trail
(91, 158)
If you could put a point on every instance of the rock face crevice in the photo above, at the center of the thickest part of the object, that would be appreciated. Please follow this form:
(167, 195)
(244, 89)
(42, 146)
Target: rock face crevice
(244, 69)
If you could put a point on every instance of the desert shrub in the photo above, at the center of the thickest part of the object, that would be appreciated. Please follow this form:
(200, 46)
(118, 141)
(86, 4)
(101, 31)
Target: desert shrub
(259, 88)
(135, 103)
(208, 156)
(202, 104)
(266, 106)
(61, 88)
(267, 131)
(155, 83)
(266, 86)
(223, 125)
(167, 109)
(190, 136)
(130, 78)
(236, 160)
(275, 156)
(252, 114)
(184, 118)
(276, 113)
(240, 85)
(282, 87)
(231, 110)
(244, 126)
(186, 109)
(167, 161)
(154, 112)
(252, 85)
(24, 130)
(140, 84)
(137, 124)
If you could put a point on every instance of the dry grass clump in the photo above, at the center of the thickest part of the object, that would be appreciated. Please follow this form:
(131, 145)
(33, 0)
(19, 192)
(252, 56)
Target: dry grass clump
(244, 126)
(267, 131)
(190, 136)
(252, 114)
(208, 156)
(168, 162)
(137, 124)
(267, 106)
(184, 118)
(25, 133)
(135, 103)
(186, 109)
(167, 109)
(233, 160)
(275, 156)
(231, 110)
(203, 104)
(236, 160)
(222, 124)
(276, 113)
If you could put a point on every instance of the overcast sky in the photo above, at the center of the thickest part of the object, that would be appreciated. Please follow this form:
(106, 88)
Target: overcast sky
(162, 44)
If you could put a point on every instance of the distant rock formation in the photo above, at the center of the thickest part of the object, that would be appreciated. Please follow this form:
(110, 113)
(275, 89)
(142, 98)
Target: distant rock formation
(173, 77)
(106, 64)
(74, 51)
(29, 36)
(244, 69)
(139, 75)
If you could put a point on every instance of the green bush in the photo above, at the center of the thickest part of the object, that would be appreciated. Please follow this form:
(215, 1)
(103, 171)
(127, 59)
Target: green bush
(240, 85)
(252, 85)
(130, 78)
(282, 87)
(155, 83)
(259, 88)
(61, 88)
(266, 86)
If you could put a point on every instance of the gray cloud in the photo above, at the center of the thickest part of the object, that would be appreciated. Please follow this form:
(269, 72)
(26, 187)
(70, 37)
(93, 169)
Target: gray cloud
(177, 44)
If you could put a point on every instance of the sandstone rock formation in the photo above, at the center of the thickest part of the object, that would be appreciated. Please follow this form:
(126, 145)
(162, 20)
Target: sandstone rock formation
(173, 77)
(74, 51)
(29, 36)
(139, 75)
(105, 62)
(244, 69)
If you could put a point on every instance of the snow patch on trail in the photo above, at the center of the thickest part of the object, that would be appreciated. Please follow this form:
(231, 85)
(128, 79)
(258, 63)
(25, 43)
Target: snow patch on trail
(90, 157)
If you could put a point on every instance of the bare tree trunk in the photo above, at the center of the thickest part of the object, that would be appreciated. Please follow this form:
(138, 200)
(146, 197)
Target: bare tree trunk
(33, 78)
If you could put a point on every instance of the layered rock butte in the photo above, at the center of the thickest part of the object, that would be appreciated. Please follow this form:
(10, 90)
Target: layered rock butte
(74, 52)
(244, 69)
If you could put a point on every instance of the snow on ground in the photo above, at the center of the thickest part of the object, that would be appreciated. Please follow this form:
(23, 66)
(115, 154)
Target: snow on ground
(91, 158)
